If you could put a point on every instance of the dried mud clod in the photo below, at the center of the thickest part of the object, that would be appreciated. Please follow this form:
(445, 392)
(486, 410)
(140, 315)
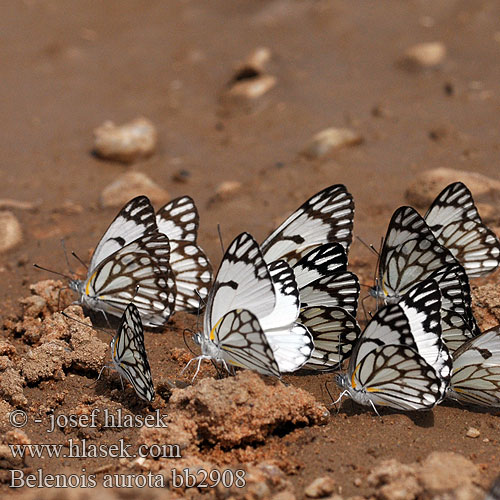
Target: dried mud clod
(235, 411)
(486, 305)
(442, 475)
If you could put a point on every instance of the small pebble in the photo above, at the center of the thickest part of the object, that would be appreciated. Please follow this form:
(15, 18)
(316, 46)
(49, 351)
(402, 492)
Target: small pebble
(10, 231)
(424, 56)
(130, 185)
(225, 191)
(320, 487)
(358, 482)
(252, 88)
(125, 143)
(472, 432)
(331, 139)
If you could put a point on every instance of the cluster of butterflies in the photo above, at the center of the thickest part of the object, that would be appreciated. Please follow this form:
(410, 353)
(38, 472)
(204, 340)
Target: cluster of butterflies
(290, 303)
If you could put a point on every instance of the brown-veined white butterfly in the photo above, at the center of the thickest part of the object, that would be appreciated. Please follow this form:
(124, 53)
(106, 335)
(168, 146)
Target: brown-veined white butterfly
(456, 223)
(131, 263)
(128, 353)
(250, 318)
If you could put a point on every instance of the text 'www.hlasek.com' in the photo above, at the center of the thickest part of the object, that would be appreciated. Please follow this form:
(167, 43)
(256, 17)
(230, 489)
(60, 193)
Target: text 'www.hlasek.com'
(121, 450)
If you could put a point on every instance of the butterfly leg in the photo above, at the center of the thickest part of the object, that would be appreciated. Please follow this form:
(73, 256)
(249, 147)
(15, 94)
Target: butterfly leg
(374, 408)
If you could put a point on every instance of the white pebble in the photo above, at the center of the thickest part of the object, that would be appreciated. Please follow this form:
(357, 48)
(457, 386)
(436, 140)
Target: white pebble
(10, 231)
(125, 143)
(330, 139)
(424, 56)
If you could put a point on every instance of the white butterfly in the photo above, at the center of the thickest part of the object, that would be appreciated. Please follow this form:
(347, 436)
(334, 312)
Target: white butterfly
(386, 368)
(327, 217)
(476, 370)
(245, 297)
(131, 264)
(455, 221)
(128, 353)
(179, 220)
(410, 254)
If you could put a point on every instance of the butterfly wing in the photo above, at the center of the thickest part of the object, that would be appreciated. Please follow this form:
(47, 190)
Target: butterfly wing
(455, 294)
(129, 353)
(327, 217)
(337, 290)
(242, 282)
(179, 220)
(386, 369)
(139, 272)
(455, 221)
(320, 262)
(134, 220)
(396, 376)
(455, 330)
(334, 332)
(287, 306)
(422, 307)
(476, 370)
(243, 343)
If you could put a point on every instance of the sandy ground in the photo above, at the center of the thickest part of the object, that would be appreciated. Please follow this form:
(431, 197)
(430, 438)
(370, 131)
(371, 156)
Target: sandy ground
(68, 67)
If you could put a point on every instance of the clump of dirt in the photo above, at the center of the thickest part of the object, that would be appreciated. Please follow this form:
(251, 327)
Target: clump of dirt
(486, 305)
(234, 412)
(442, 475)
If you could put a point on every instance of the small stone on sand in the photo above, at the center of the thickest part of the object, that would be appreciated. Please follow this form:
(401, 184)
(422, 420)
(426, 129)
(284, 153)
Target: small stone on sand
(125, 143)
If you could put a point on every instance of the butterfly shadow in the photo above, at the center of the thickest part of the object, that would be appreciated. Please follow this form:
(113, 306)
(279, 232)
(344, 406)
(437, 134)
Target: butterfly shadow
(423, 419)
(110, 386)
(449, 403)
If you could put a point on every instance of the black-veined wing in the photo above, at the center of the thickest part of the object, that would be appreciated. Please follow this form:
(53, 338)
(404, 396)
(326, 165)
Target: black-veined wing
(129, 356)
(410, 255)
(238, 340)
(455, 294)
(134, 220)
(386, 368)
(327, 217)
(476, 370)
(139, 273)
(243, 281)
(334, 332)
(291, 342)
(422, 307)
(179, 220)
(455, 221)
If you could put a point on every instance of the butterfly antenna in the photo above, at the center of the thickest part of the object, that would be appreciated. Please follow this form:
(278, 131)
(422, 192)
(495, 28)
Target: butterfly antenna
(79, 260)
(369, 246)
(220, 239)
(65, 251)
(185, 341)
(84, 324)
(200, 301)
(53, 272)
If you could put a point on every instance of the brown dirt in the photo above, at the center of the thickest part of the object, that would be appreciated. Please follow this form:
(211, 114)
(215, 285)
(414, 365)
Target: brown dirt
(66, 68)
